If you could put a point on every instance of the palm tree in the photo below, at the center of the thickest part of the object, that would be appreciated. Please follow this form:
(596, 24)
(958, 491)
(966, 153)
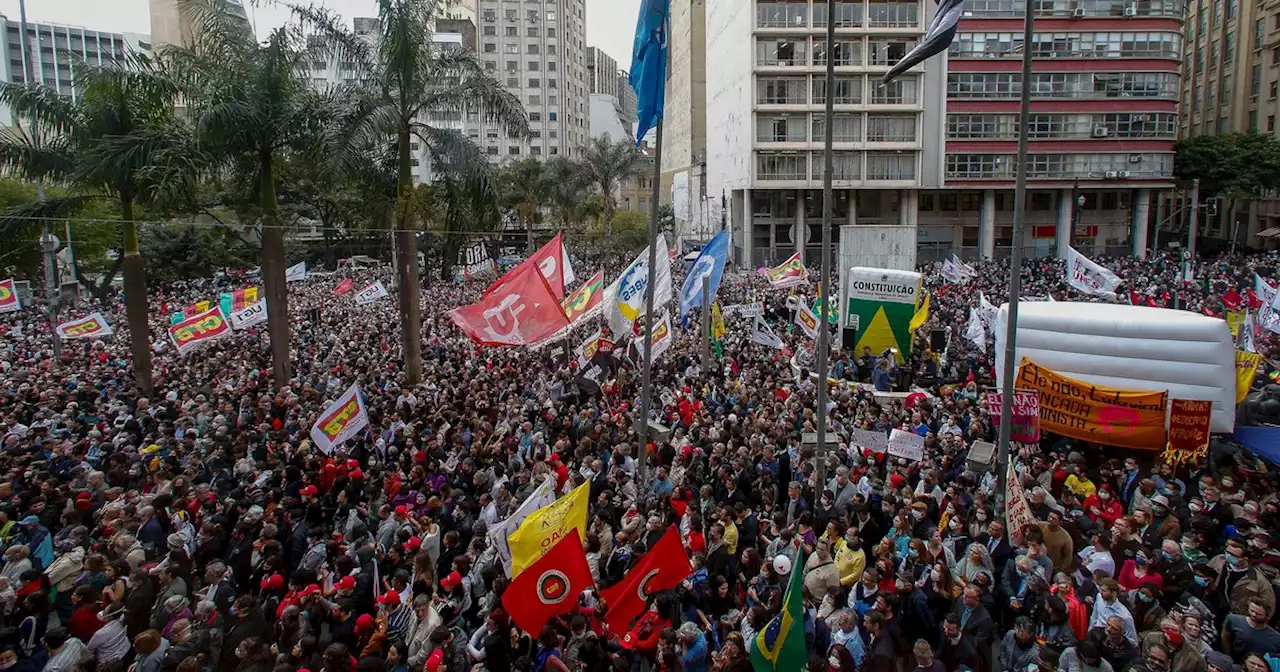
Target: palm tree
(608, 163)
(252, 105)
(412, 80)
(525, 190)
(462, 204)
(119, 140)
(566, 198)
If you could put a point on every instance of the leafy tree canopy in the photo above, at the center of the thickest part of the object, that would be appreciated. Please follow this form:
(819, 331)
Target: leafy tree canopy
(1232, 165)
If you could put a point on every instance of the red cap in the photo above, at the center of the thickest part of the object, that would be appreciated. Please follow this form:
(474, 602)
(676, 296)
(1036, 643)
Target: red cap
(353, 464)
(310, 590)
(345, 583)
(450, 581)
(308, 491)
(83, 495)
(555, 457)
(364, 622)
(390, 598)
(356, 475)
(402, 510)
(420, 456)
(413, 544)
(273, 582)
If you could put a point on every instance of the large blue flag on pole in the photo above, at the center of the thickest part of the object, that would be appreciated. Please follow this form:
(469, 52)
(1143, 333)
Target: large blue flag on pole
(649, 64)
(710, 262)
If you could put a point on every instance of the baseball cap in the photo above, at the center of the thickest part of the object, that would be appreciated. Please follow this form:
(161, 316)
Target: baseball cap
(273, 582)
(402, 510)
(345, 583)
(413, 544)
(453, 579)
(310, 590)
(308, 491)
(390, 598)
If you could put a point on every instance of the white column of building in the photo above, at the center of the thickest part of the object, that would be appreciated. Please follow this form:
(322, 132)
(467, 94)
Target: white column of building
(799, 230)
(908, 208)
(1141, 212)
(1066, 214)
(987, 225)
(748, 230)
(853, 207)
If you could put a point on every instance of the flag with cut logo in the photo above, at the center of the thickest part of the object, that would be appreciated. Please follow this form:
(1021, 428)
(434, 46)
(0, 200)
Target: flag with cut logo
(541, 496)
(372, 293)
(1090, 278)
(974, 332)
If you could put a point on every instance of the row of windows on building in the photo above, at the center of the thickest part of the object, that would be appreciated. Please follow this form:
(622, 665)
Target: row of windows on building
(531, 49)
(1060, 166)
(530, 15)
(1074, 8)
(783, 203)
(1064, 85)
(846, 128)
(849, 90)
(1154, 125)
(796, 52)
(848, 14)
(1073, 44)
(847, 166)
(514, 31)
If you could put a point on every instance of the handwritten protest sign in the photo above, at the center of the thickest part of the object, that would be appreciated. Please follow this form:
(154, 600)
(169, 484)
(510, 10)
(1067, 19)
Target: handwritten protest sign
(1025, 425)
(906, 444)
(1188, 430)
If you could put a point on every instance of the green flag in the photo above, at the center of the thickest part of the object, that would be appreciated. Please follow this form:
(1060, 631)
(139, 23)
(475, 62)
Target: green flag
(780, 646)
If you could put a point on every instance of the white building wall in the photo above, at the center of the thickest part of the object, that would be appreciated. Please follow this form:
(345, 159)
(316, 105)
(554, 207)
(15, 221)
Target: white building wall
(605, 120)
(730, 84)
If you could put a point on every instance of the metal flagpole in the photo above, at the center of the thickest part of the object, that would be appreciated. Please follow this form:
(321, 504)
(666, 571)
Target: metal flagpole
(824, 325)
(1015, 256)
(646, 393)
(706, 323)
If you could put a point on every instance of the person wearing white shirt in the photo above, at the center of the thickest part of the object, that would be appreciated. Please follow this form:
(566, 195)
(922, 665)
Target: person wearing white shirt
(1107, 605)
(1096, 557)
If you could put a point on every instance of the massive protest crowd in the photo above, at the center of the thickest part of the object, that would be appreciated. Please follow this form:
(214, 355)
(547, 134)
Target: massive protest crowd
(201, 530)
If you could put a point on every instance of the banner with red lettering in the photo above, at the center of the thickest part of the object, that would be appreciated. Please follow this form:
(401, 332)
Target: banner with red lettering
(343, 287)
(1025, 420)
(341, 421)
(192, 332)
(9, 301)
(522, 310)
(1188, 430)
(93, 326)
(552, 260)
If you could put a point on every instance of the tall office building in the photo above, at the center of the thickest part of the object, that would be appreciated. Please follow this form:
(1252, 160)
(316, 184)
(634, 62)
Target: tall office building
(53, 49)
(935, 149)
(602, 72)
(170, 26)
(684, 126)
(538, 50)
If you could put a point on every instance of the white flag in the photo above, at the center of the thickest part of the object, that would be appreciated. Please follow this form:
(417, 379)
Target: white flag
(341, 421)
(297, 271)
(966, 268)
(371, 293)
(624, 299)
(974, 332)
(953, 273)
(662, 336)
(542, 496)
(1246, 334)
(1090, 278)
(806, 319)
(762, 334)
(255, 313)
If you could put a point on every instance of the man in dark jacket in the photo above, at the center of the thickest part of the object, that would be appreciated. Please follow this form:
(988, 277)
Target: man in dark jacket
(975, 622)
(881, 654)
(248, 622)
(957, 651)
(913, 611)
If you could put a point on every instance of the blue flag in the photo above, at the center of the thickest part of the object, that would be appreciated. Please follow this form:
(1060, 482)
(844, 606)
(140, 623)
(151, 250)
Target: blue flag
(649, 64)
(710, 262)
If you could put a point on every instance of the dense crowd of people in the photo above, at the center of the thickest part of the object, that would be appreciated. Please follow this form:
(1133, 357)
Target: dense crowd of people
(198, 529)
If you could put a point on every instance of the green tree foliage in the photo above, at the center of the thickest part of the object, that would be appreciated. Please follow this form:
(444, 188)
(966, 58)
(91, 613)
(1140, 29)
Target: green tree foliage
(193, 251)
(1232, 166)
(607, 164)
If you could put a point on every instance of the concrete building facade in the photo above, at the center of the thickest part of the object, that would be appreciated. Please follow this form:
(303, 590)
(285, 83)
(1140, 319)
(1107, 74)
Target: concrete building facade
(170, 27)
(935, 149)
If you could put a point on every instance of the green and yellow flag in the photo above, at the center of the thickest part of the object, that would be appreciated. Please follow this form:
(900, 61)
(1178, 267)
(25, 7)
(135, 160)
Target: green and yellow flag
(921, 316)
(780, 646)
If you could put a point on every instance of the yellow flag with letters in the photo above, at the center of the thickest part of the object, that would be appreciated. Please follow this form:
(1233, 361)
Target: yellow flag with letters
(547, 526)
(717, 322)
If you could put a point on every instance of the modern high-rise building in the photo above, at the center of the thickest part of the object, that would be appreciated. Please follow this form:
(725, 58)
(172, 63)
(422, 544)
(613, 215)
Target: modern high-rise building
(538, 50)
(52, 51)
(170, 27)
(935, 150)
(684, 126)
(602, 72)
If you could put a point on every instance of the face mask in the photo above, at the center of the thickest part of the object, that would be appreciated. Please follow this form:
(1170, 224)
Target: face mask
(1195, 507)
(1228, 483)
(1140, 561)
(955, 525)
(1143, 597)
(1232, 560)
(1104, 496)
(917, 514)
(834, 661)
(981, 515)
(1201, 580)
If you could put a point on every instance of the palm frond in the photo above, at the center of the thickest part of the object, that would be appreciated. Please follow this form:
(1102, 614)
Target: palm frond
(450, 150)
(16, 217)
(52, 113)
(26, 156)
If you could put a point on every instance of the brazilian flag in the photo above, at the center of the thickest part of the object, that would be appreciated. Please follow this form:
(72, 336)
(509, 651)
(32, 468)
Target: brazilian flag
(780, 646)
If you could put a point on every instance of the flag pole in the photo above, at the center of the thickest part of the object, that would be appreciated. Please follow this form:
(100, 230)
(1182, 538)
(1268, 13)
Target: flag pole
(646, 392)
(824, 282)
(705, 315)
(1015, 257)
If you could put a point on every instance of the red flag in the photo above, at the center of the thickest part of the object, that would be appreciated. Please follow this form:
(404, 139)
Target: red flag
(521, 310)
(1151, 301)
(1165, 298)
(343, 287)
(662, 568)
(1133, 298)
(1232, 299)
(1254, 302)
(551, 260)
(550, 586)
(1208, 312)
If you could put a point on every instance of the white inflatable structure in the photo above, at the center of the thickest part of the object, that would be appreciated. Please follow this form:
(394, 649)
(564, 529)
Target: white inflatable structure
(1131, 348)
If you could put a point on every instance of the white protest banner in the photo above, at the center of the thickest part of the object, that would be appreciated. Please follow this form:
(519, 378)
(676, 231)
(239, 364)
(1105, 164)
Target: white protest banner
(906, 444)
(744, 309)
(341, 421)
(762, 334)
(1017, 512)
(254, 313)
(371, 293)
(93, 326)
(542, 496)
(953, 272)
(1089, 277)
(295, 272)
(874, 441)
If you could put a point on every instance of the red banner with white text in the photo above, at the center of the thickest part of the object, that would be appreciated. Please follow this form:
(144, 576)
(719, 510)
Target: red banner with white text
(522, 310)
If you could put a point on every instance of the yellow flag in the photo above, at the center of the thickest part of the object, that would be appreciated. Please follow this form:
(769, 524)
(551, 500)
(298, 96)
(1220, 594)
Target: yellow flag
(1246, 369)
(717, 322)
(548, 525)
(1235, 318)
(921, 316)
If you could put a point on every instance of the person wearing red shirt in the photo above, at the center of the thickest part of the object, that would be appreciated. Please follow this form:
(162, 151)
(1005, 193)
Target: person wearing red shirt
(562, 472)
(643, 636)
(1103, 505)
(84, 620)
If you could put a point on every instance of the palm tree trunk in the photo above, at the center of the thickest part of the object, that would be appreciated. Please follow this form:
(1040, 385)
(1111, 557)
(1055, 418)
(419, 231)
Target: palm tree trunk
(135, 301)
(608, 214)
(528, 228)
(273, 272)
(407, 267)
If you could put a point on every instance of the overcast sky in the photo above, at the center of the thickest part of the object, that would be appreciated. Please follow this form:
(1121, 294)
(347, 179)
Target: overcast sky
(610, 23)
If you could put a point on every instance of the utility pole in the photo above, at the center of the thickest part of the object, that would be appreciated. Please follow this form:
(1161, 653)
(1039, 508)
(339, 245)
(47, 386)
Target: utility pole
(824, 325)
(1015, 258)
(1192, 229)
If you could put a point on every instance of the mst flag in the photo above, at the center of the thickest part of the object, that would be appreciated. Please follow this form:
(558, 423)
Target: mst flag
(710, 264)
(662, 568)
(341, 421)
(551, 586)
(780, 646)
(762, 334)
(937, 38)
(93, 326)
(1090, 278)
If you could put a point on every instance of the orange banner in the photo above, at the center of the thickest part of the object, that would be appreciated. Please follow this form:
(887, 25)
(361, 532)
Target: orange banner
(1188, 430)
(197, 329)
(1076, 409)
